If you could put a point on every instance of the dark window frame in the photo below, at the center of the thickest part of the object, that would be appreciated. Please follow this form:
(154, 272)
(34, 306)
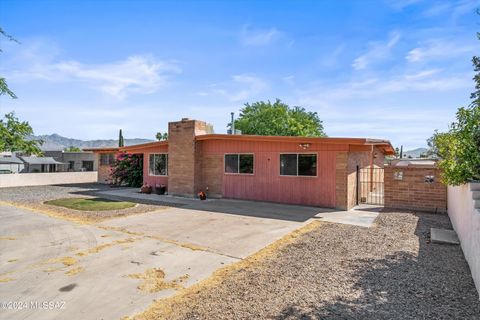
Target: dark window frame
(238, 155)
(297, 164)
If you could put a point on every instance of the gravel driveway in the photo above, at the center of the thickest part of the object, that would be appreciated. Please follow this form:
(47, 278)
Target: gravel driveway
(389, 271)
(35, 196)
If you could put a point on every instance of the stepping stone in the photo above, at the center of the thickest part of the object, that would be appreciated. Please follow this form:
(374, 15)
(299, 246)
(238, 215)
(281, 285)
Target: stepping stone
(443, 236)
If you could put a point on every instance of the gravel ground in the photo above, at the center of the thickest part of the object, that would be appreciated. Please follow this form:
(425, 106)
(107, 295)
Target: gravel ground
(389, 271)
(34, 197)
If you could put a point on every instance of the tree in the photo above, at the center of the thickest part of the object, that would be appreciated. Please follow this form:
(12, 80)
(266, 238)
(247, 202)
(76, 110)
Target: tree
(278, 119)
(459, 148)
(161, 136)
(14, 134)
(4, 90)
(120, 139)
(72, 149)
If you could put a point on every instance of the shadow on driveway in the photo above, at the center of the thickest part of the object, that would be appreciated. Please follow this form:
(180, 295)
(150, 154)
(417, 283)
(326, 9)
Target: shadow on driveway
(229, 206)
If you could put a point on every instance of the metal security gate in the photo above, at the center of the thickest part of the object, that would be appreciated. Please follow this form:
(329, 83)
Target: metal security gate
(370, 186)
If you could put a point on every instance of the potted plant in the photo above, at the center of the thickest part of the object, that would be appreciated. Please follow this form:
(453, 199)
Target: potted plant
(160, 189)
(146, 188)
(202, 195)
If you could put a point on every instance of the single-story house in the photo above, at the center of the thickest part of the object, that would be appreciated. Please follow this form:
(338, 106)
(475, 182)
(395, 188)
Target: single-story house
(74, 161)
(40, 164)
(295, 170)
(10, 163)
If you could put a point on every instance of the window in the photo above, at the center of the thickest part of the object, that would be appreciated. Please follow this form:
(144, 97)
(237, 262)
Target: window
(71, 165)
(107, 158)
(239, 163)
(158, 164)
(298, 164)
(87, 165)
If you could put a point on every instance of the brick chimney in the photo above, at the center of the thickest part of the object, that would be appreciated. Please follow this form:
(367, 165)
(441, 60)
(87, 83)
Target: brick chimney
(184, 158)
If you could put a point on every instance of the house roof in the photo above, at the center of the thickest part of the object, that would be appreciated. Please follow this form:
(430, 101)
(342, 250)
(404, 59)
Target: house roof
(126, 148)
(40, 160)
(102, 149)
(419, 163)
(385, 145)
(10, 160)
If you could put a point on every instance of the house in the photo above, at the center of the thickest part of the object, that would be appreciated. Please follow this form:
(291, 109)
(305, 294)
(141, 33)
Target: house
(74, 161)
(35, 164)
(10, 163)
(295, 170)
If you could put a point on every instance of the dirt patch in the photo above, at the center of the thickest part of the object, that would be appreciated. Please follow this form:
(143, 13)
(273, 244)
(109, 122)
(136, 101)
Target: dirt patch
(74, 271)
(5, 279)
(8, 238)
(101, 247)
(66, 261)
(154, 281)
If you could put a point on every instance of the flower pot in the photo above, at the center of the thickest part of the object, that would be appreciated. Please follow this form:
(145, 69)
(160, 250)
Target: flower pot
(146, 189)
(160, 189)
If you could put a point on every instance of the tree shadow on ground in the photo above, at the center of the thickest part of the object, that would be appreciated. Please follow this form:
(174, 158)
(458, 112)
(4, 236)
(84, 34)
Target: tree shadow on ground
(434, 283)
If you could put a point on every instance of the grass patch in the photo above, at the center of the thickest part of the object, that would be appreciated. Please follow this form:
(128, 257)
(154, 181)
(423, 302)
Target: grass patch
(91, 204)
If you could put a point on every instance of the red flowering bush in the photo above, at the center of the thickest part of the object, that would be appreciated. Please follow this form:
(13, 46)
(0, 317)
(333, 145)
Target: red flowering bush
(127, 170)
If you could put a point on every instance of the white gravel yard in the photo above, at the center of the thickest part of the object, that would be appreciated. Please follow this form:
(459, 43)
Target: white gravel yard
(388, 271)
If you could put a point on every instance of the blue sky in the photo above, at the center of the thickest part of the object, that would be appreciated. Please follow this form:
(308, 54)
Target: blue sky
(382, 69)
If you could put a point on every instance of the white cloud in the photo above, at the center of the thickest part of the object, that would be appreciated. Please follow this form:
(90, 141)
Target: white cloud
(427, 80)
(421, 74)
(378, 50)
(135, 74)
(259, 37)
(244, 86)
(142, 74)
(437, 49)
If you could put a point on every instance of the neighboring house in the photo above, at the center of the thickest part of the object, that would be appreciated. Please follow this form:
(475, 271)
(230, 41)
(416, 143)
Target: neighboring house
(40, 164)
(10, 163)
(296, 170)
(74, 161)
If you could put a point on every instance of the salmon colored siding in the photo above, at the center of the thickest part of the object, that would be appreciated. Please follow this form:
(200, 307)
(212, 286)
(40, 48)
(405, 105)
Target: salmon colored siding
(266, 184)
(151, 180)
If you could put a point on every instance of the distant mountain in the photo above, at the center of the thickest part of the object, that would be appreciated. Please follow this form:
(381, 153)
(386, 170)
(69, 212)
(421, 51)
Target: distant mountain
(57, 142)
(415, 153)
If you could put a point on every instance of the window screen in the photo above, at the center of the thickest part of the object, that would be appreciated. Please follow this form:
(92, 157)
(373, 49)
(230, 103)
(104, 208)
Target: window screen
(288, 164)
(246, 163)
(307, 164)
(231, 163)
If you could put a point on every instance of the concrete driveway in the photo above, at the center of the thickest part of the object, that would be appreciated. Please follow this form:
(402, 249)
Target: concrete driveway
(94, 271)
(118, 267)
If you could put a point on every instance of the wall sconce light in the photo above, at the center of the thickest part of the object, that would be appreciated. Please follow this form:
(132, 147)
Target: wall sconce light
(304, 145)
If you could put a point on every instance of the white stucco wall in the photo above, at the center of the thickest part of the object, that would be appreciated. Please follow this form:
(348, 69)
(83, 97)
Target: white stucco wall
(466, 222)
(40, 179)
